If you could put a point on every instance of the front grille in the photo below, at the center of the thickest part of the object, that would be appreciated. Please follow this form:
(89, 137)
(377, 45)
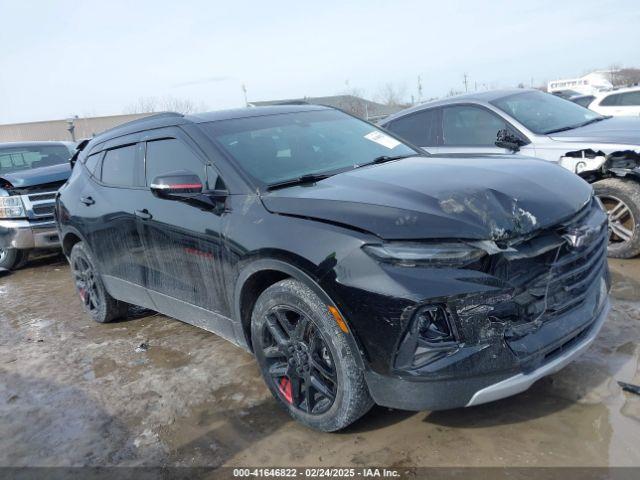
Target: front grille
(554, 282)
(40, 205)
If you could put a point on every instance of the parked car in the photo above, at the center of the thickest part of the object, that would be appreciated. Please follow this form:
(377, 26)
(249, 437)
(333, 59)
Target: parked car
(604, 151)
(30, 174)
(354, 269)
(621, 102)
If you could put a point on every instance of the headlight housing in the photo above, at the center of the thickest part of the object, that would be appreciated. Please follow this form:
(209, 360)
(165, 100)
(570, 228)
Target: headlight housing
(11, 207)
(412, 254)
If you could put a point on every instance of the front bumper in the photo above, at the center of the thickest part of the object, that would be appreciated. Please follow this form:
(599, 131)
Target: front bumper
(25, 234)
(401, 393)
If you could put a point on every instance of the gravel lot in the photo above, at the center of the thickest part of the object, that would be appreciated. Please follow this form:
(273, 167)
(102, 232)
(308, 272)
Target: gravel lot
(73, 392)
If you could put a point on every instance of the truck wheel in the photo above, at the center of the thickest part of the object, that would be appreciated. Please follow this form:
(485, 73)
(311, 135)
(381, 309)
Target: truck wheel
(97, 302)
(11, 258)
(305, 358)
(621, 199)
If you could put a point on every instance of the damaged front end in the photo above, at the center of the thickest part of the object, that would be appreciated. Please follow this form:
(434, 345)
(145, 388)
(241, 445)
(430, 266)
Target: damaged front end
(527, 302)
(593, 164)
(553, 274)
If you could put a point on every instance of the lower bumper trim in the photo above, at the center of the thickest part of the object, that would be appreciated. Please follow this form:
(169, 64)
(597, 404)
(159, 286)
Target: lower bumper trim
(521, 382)
(22, 234)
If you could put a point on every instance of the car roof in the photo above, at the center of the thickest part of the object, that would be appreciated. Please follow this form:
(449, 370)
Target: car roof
(168, 119)
(474, 97)
(634, 88)
(33, 144)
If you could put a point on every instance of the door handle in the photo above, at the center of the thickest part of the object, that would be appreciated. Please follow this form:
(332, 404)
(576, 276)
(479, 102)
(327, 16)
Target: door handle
(87, 201)
(143, 214)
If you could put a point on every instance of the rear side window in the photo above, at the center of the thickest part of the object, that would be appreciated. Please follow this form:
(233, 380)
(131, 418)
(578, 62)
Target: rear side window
(630, 99)
(466, 125)
(119, 167)
(171, 155)
(92, 163)
(418, 128)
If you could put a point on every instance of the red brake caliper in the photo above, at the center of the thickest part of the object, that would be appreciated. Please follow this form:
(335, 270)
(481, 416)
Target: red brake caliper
(285, 389)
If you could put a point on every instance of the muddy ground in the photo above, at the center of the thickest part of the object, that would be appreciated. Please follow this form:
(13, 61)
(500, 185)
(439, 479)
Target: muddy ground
(73, 392)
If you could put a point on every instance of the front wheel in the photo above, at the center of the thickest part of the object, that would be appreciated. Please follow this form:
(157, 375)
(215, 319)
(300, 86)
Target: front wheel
(621, 199)
(11, 258)
(305, 358)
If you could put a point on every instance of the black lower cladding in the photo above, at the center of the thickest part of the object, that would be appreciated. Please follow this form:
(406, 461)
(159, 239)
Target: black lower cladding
(545, 298)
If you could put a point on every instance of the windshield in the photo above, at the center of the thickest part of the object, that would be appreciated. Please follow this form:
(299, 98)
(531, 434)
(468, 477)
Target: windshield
(543, 113)
(276, 148)
(16, 158)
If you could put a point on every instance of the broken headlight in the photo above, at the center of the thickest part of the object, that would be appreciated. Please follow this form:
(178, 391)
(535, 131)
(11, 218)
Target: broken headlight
(11, 207)
(411, 254)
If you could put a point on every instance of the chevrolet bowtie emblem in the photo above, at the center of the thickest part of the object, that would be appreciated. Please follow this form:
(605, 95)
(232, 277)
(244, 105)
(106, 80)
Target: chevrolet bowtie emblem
(580, 237)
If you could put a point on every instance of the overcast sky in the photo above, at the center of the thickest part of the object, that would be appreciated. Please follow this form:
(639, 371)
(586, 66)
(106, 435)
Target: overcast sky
(64, 58)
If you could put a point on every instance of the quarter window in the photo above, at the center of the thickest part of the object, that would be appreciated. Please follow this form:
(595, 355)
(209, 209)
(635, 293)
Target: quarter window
(465, 125)
(418, 128)
(171, 155)
(119, 167)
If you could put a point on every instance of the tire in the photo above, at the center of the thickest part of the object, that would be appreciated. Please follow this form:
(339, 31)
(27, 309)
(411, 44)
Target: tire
(11, 258)
(326, 348)
(96, 301)
(621, 198)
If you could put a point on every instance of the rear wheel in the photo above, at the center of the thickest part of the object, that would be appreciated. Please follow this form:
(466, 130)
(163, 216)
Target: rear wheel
(305, 358)
(621, 199)
(97, 302)
(11, 258)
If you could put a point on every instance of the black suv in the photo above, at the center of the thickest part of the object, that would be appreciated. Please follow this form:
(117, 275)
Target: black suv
(355, 268)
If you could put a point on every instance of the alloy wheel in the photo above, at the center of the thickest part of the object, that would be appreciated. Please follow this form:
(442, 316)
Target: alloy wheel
(85, 281)
(621, 222)
(299, 361)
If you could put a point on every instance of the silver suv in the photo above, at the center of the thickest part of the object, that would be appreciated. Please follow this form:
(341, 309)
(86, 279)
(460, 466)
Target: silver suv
(603, 150)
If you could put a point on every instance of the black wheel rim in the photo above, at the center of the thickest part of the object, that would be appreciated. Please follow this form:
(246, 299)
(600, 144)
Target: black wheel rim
(298, 361)
(621, 222)
(85, 279)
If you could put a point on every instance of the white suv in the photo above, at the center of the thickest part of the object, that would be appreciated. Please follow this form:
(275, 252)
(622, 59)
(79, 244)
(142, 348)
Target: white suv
(621, 102)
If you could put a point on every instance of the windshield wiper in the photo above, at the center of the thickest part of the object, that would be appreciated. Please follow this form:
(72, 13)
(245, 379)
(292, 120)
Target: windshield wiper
(583, 124)
(389, 158)
(301, 180)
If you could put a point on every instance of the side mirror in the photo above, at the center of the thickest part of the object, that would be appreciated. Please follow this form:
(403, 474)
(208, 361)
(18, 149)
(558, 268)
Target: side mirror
(510, 141)
(177, 185)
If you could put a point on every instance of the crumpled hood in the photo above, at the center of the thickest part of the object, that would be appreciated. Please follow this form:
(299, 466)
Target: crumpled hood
(38, 176)
(618, 130)
(476, 198)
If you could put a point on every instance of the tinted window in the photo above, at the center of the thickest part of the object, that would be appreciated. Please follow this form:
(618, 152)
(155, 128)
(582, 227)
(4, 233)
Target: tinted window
(14, 159)
(610, 100)
(274, 148)
(418, 128)
(465, 125)
(584, 101)
(544, 113)
(92, 162)
(171, 155)
(119, 166)
(630, 99)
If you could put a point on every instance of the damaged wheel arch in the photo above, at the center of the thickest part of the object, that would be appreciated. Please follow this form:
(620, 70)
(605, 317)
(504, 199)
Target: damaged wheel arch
(260, 275)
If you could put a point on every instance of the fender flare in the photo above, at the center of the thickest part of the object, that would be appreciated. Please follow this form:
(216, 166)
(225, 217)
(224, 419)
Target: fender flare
(298, 274)
(73, 231)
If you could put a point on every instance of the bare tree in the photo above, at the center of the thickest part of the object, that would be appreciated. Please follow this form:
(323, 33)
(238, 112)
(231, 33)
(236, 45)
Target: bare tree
(166, 104)
(392, 95)
(627, 76)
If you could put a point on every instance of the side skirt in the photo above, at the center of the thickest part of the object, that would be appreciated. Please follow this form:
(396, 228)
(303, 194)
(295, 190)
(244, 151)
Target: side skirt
(172, 307)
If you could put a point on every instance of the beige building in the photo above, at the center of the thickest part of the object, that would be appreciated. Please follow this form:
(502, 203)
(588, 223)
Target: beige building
(71, 129)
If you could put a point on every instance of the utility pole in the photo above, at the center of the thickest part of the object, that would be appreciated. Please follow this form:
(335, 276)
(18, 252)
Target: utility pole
(466, 82)
(419, 89)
